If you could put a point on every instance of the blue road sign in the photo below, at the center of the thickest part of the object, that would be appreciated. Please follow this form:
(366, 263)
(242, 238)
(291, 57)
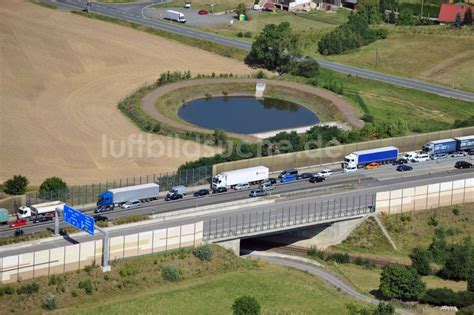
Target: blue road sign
(79, 220)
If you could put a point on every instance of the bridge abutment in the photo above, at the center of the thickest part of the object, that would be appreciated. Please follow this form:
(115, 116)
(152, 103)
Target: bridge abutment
(233, 245)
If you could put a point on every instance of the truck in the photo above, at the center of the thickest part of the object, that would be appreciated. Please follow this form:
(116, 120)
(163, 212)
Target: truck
(175, 16)
(38, 210)
(465, 143)
(3, 216)
(107, 200)
(249, 175)
(440, 146)
(360, 159)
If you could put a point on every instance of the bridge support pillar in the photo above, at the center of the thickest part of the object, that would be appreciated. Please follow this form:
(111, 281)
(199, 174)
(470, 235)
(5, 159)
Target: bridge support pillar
(233, 245)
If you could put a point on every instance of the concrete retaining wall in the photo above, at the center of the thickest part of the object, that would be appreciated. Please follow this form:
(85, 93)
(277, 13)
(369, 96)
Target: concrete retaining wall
(74, 257)
(425, 197)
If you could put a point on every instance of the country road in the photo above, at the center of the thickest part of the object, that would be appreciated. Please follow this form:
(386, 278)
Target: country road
(133, 12)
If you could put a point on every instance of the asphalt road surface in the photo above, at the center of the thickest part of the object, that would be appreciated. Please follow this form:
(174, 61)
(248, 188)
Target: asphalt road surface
(134, 13)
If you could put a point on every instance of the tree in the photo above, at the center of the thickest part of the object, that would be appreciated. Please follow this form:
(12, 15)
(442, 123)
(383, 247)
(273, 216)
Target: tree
(274, 48)
(401, 283)
(308, 68)
(458, 264)
(53, 188)
(246, 305)
(384, 309)
(438, 246)
(405, 17)
(241, 9)
(220, 137)
(467, 17)
(16, 185)
(420, 261)
(458, 20)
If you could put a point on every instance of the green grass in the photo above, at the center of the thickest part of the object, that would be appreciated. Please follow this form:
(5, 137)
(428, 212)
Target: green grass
(44, 4)
(279, 290)
(220, 5)
(118, 1)
(435, 54)
(422, 111)
(190, 41)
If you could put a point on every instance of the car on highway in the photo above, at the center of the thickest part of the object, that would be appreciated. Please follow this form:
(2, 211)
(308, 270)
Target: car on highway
(325, 173)
(267, 186)
(269, 181)
(350, 169)
(439, 156)
(242, 186)
(104, 209)
(131, 204)
(201, 192)
(400, 161)
(410, 155)
(372, 166)
(404, 168)
(258, 193)
(219, 190)
(458, 154)
(39, 219)
(173, 197)
(288, 173)
(203, 12)
(18, 223)
(423, 157)
(317, 179)
(462, 164)
(305, 175)
(19, 232)
(101, 218)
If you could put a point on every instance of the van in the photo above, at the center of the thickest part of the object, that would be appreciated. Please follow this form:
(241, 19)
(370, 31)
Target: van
(288, 173)
(178, 190)
(423, 157)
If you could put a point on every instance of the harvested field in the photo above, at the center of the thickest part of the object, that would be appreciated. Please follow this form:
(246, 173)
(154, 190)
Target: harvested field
(62, 76)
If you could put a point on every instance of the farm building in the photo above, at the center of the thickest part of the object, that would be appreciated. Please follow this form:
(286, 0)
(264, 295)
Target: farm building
(448, 12)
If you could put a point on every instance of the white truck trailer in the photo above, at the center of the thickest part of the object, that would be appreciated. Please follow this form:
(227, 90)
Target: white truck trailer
(118, 196)
(249, 175)
(41, 209)
(175, 16)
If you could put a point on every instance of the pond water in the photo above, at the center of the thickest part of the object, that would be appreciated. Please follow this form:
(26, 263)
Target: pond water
(246, 115)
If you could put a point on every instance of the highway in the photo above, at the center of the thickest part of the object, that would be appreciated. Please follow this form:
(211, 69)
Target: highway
(134, 13)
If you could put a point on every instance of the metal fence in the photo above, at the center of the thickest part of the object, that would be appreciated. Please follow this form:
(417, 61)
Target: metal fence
(86, 194)
(333, 154)
(282, 218)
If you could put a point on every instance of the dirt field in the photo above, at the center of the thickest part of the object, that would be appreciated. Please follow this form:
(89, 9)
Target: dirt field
(62, 76)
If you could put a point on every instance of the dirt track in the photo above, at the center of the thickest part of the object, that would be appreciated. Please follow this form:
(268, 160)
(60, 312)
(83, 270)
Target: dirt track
(61, 78)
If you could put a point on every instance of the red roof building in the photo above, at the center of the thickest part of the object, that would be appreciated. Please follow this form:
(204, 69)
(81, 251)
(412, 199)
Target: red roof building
(448, 12)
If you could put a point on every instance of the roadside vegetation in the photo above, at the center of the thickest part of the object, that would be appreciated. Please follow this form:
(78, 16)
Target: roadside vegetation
(44, 4)
(219, 5)
(210, 279)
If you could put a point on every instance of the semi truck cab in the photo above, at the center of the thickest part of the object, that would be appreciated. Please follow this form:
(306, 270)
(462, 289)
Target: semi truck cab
(350, 161)
(105, 199)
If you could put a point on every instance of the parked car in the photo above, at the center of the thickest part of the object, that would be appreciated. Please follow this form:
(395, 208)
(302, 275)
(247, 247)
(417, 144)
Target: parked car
(289, 173)
(421, 158)
(350, 169)
(317, 179)
(18, 223)
(305, 176)
(400, 161)
(458, 154)
(39, 219)
(203, 12)
(173, 197)
(439, 156)
(219, 190)
(404, 168)
(187, 5)
(325, 173)
(372, 166)
(101, 218)
(258, 193)
(267, 186)
(201, 192)
(462, 164)
(242, 186)
(131, 204)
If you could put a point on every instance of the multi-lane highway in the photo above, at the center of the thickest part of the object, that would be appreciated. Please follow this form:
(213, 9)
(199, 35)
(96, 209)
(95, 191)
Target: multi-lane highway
(351, 183)
(134, 13)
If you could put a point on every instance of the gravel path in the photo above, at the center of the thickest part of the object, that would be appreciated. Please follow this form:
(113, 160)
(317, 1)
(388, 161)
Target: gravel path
(347, 110)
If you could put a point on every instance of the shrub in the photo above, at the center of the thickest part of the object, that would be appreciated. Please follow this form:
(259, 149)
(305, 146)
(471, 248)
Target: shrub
(384, 309)
(86, 285)
(466, 311)
(261, 75)
(7, 289)
(171, 273)
(433, 221)
(246, 305)
(370, 119)
(420, 261)
(248, 34)
(49, 302)
(364, 263)
(52, 280)
(401, 283)
(16, 185)
(128, 270)
(204, 253)
(316, 252)
(445, 296)
(28, 288)
(240, 34)
(458, 264)
(340, 258)
(456, 211)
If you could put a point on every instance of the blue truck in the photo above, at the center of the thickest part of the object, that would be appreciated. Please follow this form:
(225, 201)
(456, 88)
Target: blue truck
(118, 196)
(360, 159)
(435, 147)
(465, 143)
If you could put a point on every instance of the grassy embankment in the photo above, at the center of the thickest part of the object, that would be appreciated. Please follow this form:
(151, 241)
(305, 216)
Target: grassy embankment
(206, 287)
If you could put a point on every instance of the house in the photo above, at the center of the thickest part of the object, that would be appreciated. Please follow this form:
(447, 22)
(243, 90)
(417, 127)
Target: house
(292, 5)
(448, 12)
